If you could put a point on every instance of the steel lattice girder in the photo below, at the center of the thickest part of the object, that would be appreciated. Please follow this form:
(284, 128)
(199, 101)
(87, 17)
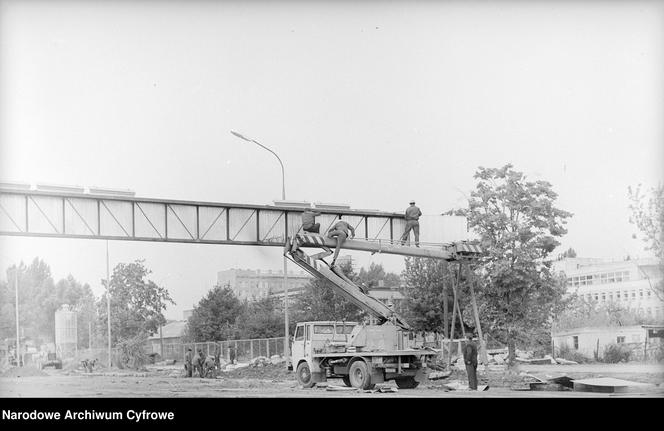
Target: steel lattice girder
(70, 215)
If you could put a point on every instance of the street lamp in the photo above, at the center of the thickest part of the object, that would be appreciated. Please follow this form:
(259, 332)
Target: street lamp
(283, 197)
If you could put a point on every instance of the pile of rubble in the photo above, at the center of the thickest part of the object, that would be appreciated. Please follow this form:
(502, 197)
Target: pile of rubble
(262, 361)
(500, 357)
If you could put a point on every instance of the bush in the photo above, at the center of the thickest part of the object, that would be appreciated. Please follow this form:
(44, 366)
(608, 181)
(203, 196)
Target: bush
(570, 354)
(614, 353)
(130, 353)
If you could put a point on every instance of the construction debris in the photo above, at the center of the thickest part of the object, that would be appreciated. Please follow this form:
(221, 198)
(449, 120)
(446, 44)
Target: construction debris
(338, 388)
(458, 386)
(437, 375)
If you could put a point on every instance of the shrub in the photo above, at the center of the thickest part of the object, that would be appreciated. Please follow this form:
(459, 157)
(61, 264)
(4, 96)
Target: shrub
(614, 353)
(570, 354)
(130, 353)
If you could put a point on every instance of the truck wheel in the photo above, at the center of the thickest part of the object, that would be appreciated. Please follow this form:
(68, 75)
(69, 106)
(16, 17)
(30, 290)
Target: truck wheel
(359, 375)
(346, 380)
(303, 374)
(406, 382)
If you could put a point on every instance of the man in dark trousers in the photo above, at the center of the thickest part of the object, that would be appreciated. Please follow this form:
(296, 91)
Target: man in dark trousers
(470, 358)
(309, 221)
(412, 216)
(188, 362)
(340, 232)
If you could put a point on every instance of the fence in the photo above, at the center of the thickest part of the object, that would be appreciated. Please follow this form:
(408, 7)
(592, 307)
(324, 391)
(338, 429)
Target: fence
(245, 350)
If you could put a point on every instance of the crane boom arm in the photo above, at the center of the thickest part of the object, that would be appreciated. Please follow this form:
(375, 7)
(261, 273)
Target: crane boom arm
(342, 285)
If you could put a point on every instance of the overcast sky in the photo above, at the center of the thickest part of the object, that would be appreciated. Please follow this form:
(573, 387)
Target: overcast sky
(367, 103)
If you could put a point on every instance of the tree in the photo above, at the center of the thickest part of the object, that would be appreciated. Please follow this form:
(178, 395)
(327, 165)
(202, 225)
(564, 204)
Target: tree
(581, 313)
(263, 318)
(426, 293)
(319, 301)
(35, 290)
(648, 216)
(518, 225)
(137, 304)
(214, 318)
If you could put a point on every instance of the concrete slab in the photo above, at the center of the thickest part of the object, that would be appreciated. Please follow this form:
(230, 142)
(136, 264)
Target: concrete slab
(610, 385)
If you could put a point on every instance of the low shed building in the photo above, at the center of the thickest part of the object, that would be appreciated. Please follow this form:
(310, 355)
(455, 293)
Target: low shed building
(642, 340)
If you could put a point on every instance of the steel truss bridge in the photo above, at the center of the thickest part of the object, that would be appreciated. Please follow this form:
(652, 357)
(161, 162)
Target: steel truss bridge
(34, 213)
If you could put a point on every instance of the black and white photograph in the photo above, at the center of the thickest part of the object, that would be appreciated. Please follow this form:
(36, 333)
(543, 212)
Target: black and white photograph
(329, 200)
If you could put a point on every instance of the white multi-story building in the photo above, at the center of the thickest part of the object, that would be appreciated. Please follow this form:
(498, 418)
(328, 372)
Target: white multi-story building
(629, 282)
(250, 284)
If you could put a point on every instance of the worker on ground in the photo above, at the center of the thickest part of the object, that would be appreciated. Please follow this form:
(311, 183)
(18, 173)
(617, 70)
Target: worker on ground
(199, 362)
(231, 354)
(188, 362)
(309, 221)
(470, 358)
(217, 357)
(340, 232)
(208, 367)
(413, 214)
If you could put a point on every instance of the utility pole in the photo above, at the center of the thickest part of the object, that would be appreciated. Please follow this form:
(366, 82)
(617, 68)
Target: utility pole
(18, 338)
(108, 306)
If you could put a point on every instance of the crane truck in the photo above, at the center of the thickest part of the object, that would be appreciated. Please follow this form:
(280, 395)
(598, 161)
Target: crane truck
(361, 354)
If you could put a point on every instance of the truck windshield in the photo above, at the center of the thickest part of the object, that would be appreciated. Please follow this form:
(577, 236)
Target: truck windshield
(323, 329)
(299, 333)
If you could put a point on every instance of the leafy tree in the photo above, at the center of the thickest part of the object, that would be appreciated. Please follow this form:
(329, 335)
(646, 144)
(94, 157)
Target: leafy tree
(35, 288)
(426, 293)
(319, 301)
(263, 318)
(214, 318)
(372, 277)
(518, 225)
(582, 313)
(648, 216)
(137, 304)
(570, 252)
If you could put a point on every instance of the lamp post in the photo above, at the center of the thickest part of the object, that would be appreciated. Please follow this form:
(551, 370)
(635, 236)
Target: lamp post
(283, 197)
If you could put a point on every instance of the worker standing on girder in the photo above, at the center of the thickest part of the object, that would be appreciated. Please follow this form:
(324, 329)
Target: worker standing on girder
(340, 232)
(309, 221)
(413, 214)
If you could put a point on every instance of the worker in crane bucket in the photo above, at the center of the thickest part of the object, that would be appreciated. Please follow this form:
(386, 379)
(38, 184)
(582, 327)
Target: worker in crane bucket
(309, 221)
(340, 232)
(413, 214)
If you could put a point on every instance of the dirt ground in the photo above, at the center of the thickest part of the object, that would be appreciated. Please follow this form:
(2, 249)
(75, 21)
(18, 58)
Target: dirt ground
(275, 381)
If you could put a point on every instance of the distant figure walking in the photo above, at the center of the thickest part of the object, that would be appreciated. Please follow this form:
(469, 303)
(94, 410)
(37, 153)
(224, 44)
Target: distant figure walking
(309, 221)
(231, 354)
(470, 358)
(340, 232)
(413, 214)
